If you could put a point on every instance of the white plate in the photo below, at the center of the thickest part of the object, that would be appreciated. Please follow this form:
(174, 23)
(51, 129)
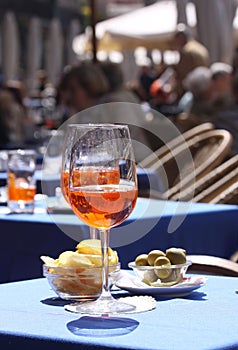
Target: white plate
(184, 288)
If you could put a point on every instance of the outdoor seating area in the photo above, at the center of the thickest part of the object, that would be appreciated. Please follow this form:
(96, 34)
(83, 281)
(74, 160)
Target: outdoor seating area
(118, 174)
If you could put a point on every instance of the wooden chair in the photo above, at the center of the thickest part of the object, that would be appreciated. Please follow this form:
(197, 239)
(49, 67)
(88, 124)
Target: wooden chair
(212, 265)
(149, 161)
(208, 150)
(209, 183)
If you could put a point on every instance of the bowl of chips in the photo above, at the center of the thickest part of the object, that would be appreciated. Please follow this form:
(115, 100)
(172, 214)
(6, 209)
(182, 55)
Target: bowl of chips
(77, 275)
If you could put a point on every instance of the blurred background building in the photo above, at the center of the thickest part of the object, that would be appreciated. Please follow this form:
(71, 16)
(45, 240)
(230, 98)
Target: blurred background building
(38, 34)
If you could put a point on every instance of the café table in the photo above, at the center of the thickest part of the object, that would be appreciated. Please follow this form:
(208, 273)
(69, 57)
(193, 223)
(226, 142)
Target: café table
(197, 227)
(32, 317)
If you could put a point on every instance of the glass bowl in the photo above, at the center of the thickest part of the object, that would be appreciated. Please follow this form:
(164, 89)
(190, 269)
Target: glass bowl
(82, 283)
(157, 276)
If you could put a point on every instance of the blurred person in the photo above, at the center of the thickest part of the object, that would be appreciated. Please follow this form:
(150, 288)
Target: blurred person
(12, 120)
(42, 80)
(228, 119)
(118, 92)
(21, 102)
(17, 90)
(5, 100)
(146, 76)
(62, 98)
(199, 83)
(135, 87)
(235, 61)
(22, 115)
(192, 55)
(221, 85)
(162, 89)
(85, 85)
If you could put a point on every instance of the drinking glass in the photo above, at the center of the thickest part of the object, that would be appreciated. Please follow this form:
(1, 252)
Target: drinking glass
(64, 179)
(102, 193)
(21, 182)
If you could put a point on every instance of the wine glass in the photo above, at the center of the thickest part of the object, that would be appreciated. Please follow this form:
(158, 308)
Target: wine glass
(64, 180)
(102, 193)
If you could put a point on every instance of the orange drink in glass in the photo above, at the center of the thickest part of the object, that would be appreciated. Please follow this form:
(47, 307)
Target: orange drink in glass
(21, 181)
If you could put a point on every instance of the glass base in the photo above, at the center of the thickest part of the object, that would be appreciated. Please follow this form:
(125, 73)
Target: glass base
(102, 306)
(20, 207)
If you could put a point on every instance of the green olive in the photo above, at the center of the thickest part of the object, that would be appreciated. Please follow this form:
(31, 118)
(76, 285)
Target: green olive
(176, 255)
(162, 261)
(142, 260)
(153, 255)
(149, 277)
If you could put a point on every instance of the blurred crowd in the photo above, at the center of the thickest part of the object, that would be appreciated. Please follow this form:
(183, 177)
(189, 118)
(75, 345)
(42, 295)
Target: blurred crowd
(188, 93)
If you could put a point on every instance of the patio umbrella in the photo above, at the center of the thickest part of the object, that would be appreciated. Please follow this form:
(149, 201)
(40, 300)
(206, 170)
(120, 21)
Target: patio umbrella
(34, 51)
(151, 26)
(10, 47)
(54, 51)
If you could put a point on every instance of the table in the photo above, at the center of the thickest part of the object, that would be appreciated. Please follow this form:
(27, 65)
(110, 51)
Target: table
(199, 228)
(32, 318)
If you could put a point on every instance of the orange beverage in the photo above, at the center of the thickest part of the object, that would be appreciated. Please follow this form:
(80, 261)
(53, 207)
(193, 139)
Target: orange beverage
(87, 176)
(19, 189)
(64, 184)
(105, 207)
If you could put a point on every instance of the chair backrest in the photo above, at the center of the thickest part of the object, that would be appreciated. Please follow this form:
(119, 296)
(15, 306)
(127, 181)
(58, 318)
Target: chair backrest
(228, 195)
(221, 191)
(204, 186)
(173, 144)
(208, 150)
(212, 265)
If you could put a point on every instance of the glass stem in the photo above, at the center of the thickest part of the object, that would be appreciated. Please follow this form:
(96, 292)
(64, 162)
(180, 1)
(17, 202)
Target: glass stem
(93, 232)
(104, 236)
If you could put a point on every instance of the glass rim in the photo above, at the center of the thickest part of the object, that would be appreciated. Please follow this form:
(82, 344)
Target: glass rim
(22, 152)
(93, 267)
(133, 266)
(99, 125)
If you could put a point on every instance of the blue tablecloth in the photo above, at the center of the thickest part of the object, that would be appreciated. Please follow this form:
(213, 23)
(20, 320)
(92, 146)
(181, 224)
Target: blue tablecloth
(206, 229)
(31, 318)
